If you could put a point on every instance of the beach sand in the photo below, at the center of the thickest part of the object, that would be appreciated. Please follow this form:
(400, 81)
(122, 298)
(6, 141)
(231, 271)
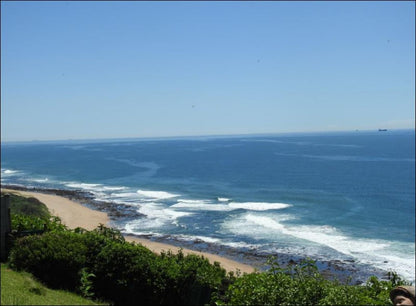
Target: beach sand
(75, 215)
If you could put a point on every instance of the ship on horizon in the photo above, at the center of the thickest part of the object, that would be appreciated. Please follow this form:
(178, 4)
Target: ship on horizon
(382, 130)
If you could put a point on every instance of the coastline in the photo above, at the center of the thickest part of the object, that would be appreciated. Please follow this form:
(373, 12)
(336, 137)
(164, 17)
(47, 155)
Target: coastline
(74, 214)
(80, 202)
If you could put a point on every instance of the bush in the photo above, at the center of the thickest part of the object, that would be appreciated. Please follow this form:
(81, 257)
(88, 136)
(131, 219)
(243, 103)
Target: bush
(303, 285)
(187, 280)
(128, 274)
(298, 285)
(20, 223)
(55, 258)
(96, 240)
(123, 273)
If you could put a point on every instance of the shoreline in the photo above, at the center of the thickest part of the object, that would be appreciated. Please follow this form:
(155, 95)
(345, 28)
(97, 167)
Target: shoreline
(230, 258)
(74, 214)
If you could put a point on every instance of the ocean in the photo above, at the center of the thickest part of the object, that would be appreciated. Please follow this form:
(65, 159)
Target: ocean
(343, 196)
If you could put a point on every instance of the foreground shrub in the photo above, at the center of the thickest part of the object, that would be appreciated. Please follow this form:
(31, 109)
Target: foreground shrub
(20, 223)
(58, 255)
(55, 258)
(297, 285)
(96, 240)
(186, 280)
(303, 285)
(123, 274)
(129, 274)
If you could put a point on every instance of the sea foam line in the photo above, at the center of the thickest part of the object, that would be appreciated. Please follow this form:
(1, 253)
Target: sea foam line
(258, 205)
(156, 194)
(93, 187)
(9, 171)
(206, 205)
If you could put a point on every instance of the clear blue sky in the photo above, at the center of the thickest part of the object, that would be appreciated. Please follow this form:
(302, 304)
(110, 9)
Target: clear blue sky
(146, 69)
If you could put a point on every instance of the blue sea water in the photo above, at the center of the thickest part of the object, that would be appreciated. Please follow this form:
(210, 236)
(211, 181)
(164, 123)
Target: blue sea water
(334, 196)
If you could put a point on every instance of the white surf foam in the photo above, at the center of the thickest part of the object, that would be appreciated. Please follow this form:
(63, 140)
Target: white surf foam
(206, 205)
(113, 188)
(44, 180)
(223, 199)
(101, 192)
(132, 195)
(258, 205)
(158, 215)
(94, 187)
(132, 228)
(200, 238)
(200, 205)
(84, 186)
(265, 222)
(191, 202)
(158, 195)
(376, 252)
(9, 171)
(324, 235)
(241, 245)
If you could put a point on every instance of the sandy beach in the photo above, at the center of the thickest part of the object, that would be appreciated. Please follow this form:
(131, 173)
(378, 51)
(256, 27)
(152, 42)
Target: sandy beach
(75, 215)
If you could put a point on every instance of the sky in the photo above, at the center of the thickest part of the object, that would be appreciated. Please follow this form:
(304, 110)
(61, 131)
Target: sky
(91, 70)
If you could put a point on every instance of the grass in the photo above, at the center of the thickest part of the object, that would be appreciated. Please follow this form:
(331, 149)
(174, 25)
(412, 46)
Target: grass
(21, 288)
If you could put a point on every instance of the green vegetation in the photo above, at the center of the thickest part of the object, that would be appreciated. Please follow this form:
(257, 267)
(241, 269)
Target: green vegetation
(20, 288)
(29, 214)
(303, 285)
(101, 264)
(22, 223)
(28, 206)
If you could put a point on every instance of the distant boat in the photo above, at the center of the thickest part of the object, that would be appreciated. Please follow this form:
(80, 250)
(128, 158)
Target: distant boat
(382, 130)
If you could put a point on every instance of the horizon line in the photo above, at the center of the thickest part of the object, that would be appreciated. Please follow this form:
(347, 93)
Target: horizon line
(130, 138)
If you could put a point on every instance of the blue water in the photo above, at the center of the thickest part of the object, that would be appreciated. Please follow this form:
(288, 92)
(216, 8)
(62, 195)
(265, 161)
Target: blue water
(330, 196)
